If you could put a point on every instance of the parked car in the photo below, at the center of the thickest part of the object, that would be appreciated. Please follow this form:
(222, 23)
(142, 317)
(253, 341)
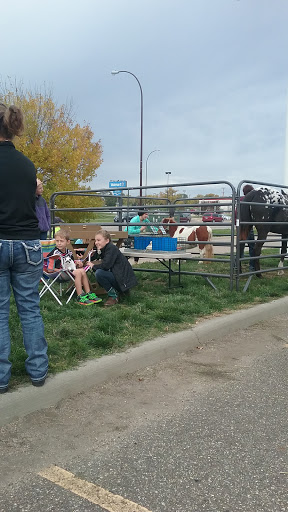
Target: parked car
(130, 216)
(212, 217)
(184, 217)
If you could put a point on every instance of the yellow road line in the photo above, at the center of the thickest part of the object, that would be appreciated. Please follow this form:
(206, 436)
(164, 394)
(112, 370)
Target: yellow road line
(93, 493)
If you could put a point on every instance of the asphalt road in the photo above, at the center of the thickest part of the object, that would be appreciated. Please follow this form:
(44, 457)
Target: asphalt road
(203, 431)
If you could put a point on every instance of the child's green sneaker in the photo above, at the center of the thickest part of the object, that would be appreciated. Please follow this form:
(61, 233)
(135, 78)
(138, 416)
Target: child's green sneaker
(93, 297)
(84, 301)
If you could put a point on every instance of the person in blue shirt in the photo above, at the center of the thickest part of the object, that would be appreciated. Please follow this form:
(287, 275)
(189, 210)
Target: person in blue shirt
(142, 216)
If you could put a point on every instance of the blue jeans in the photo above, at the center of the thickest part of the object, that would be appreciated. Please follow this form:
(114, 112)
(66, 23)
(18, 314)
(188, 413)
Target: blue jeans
(21, 267)
(106, 279)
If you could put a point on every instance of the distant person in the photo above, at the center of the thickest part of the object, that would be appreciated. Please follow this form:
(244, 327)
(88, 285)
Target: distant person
(21, 262)
(112, 270)
(42, 211)
(141, 217)
(251, 244)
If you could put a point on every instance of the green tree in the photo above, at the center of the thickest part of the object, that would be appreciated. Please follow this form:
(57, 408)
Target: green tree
(111, 200)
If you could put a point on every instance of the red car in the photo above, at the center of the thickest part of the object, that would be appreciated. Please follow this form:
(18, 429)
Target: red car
(185, 217)
(212, 217)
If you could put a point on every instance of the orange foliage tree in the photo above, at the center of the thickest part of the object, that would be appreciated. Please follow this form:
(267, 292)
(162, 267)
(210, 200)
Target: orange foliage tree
(63, 152)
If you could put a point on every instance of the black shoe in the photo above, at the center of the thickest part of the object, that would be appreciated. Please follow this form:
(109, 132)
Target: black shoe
(3, 390)
(38, 383)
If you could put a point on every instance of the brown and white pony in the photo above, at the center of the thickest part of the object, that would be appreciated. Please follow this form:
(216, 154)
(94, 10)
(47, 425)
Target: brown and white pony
(195, 234)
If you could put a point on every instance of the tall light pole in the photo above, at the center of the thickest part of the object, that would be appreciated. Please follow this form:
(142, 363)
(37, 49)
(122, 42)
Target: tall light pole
(168, 174)
(141, 122)
(286, 148)
(154, 150)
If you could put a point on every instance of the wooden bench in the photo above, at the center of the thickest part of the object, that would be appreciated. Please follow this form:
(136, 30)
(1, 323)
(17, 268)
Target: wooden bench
(87, 233)
(118, 236)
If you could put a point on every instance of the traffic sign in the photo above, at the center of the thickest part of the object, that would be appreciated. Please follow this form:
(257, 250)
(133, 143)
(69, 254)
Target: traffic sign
(118, 184)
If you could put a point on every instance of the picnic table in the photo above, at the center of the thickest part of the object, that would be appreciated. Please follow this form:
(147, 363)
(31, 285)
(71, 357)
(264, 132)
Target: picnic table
(165, 258)
(87, 233)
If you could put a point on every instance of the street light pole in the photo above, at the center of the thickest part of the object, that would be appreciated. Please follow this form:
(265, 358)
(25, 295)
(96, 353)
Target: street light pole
(286, 148)
(146, 166)
(168, 174)
(141, 122)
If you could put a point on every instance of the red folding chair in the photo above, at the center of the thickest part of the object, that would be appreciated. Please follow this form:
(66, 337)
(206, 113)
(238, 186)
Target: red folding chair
(50, 275)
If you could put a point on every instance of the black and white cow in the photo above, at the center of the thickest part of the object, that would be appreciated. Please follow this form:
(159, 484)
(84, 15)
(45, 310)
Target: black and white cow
(269, 207)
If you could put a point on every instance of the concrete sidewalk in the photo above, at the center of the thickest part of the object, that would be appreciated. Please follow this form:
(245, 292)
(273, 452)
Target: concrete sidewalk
(28, 399)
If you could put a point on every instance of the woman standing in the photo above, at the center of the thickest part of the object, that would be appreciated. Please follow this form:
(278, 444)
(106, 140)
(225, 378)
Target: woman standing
(20, 252)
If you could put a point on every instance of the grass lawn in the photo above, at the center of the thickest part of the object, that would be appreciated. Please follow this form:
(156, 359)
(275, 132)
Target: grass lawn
(76, 333)
(221, 232)
(104, 217)
(101, 217)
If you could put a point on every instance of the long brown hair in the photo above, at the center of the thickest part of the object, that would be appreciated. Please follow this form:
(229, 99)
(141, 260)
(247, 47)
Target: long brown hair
(11, 121)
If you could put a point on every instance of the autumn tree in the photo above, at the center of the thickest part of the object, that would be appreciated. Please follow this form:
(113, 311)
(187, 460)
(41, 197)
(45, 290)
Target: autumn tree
(171, 194)
(63, 152)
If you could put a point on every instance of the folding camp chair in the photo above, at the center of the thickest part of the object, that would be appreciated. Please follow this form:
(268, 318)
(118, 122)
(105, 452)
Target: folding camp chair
(47, 246)
(50, 276)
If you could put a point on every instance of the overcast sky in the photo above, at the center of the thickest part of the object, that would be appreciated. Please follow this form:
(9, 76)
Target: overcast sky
(214, 75)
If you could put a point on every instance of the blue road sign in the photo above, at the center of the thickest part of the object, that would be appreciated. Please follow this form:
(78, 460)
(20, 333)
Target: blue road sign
(118, 183)
(116, 192)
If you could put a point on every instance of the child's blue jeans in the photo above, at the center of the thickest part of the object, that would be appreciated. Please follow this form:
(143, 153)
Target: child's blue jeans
(106, 279)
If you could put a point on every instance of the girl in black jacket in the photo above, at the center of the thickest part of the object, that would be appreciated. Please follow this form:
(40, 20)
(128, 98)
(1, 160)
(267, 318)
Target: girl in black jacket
(112, 270)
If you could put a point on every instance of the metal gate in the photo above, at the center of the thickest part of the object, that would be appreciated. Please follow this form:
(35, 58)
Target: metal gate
(226, 237)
